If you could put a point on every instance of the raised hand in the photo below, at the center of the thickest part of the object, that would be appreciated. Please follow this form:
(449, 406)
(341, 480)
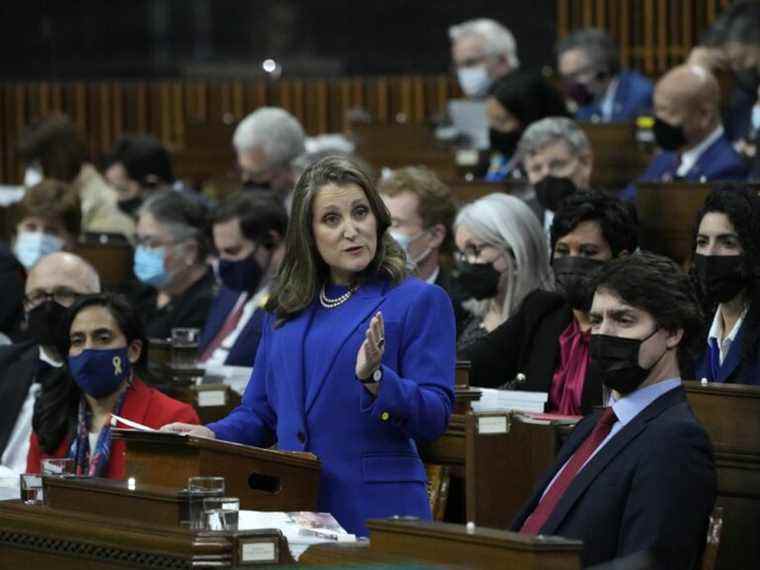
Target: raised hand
(371, 351)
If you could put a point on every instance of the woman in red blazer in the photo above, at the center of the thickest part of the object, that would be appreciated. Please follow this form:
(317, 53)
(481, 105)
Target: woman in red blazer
(105, 344)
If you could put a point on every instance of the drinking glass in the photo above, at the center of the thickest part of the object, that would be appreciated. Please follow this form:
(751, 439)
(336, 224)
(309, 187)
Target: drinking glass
(198, 489)
(31, 489)
(221, 513)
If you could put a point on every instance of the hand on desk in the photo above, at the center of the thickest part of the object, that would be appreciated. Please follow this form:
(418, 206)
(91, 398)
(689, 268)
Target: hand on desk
(189, 429)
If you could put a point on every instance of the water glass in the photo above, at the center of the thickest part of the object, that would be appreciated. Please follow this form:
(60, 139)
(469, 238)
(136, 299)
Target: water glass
(198, 489)
(32, 492)
(58, 467)
(184, 352)
(221, 513)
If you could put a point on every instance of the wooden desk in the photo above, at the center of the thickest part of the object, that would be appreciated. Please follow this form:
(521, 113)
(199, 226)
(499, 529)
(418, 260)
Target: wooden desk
(618, 158)
(112, 261)
(731, 415)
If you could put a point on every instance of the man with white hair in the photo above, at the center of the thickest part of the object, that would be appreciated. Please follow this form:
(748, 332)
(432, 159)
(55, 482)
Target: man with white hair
(689, 130)
(267, 141)
(53, 285)
(483, 51)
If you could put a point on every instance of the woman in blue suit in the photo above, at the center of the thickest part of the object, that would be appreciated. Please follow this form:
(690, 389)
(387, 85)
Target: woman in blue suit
(356, 360)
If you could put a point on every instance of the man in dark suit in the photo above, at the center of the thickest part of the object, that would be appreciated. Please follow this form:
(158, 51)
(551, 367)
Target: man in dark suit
(422, 212)
(638, 476)
(688, 129)
(589, 65)
(249, 228)
(54, 283)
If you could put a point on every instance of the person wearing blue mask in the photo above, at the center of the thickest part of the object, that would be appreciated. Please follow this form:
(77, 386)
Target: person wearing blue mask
(170, 261)
(106, 348)
(48, 219)
(248, 229)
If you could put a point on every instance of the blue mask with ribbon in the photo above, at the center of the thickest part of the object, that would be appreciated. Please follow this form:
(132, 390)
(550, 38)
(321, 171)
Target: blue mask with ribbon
(100, 372)
(149, 266)
(242, 275)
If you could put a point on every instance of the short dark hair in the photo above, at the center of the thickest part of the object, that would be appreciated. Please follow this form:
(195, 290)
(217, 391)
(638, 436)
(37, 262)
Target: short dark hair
(53, 201)
(598, 45)
(259, 213)
(617, 219)
(657, 285)
(528, 97)
(56, 145)
(144, 158)
(185, 218)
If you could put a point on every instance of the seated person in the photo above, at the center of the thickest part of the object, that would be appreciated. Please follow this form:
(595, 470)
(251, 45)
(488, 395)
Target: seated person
(12, 276)
(52, 286)
(422, 212)
(557, 157)
(688, 129)
(52, 148)
(637, 478)
(543, 347)
(502, 256)
(589, 67)
(726, 262)
(249, 231)
(106, 348)
(170, 259)
(514, 102)
(47, 219)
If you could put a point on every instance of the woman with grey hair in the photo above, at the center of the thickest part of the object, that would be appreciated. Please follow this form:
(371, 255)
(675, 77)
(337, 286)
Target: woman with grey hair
(170, 260)
(502, 256)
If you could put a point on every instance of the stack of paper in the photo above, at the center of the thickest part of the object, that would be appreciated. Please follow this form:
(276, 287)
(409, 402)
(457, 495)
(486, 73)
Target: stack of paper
(301, 529)
(492, 400)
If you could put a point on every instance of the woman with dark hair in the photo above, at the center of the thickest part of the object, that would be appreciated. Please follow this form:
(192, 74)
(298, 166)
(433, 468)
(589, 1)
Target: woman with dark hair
(106, 347)
(543, 347)
(516, 101)
(356, 360)
(726, 271)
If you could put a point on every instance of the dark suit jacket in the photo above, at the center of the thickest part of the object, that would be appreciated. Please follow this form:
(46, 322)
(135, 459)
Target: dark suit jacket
(243, 352)
(735, 368)
(633, 97)
(18, 368)
(528, 343)
(719, 162)
(446, 282)
(737, 117)
(650, 488)
(12, 276)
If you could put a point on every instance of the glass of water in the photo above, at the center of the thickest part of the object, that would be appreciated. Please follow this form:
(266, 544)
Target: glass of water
(221, 513)
(32, 492)
(184, 351)
(198, 489)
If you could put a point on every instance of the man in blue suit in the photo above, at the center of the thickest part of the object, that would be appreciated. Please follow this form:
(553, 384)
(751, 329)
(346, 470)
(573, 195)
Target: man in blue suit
(249, 228)
(589, 65)
(636, 479)
(688, 129)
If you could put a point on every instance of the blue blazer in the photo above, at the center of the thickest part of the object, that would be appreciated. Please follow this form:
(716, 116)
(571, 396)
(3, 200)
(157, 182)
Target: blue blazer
(734, 370)
(649, 490)
(370, 464)
(633, 97)
(243, 351)
(719, 162)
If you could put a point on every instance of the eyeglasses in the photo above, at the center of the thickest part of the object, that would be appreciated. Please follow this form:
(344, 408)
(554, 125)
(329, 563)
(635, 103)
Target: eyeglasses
(152, 242)
(471, 252)
(61, 295)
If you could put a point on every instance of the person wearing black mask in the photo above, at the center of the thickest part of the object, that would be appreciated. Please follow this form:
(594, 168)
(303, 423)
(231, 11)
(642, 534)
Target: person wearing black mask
(558, 160)
(502, 256)
(248, 228)
(105, 347)
(637, 477)
(725, 270)
(689, 131)
(515, 101)
(53, 284)
(544, 346)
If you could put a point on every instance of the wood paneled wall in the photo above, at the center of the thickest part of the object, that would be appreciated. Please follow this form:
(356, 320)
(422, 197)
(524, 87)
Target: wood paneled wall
(184, 114)
(653, 35)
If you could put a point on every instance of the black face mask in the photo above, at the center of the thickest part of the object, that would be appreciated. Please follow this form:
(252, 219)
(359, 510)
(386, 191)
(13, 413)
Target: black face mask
(242, 275)
(721, 277)
(130, 206)
(505, 143)
(667, 136)
(551, 190)
(44, 323)
(579, 92)
(616, 361)
(478, 280)
(573, 276)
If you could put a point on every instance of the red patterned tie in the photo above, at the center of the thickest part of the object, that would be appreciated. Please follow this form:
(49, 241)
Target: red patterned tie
(229, 325)
(549, 501)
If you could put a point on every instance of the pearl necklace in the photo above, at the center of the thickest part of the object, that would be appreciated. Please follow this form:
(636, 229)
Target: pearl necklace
(328, 303)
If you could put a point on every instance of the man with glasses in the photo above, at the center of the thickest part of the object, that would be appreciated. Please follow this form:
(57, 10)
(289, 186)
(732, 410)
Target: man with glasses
(557, 158)
(52, 286)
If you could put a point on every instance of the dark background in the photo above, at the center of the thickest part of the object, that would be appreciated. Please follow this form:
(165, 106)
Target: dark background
(81, 39)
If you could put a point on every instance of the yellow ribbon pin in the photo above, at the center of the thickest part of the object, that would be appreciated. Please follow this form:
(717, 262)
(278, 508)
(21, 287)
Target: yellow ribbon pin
(117, 365)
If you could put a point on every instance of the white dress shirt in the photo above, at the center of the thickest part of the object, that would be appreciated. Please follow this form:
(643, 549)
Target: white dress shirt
(690, 157)
(716, 332)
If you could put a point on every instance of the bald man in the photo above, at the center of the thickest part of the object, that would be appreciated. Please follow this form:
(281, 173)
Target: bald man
(52, 286)
(688, 129)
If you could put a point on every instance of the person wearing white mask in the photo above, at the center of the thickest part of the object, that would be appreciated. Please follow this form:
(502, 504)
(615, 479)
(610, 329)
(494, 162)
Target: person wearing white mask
(422, 212)
(48, 220)
(482, 51)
